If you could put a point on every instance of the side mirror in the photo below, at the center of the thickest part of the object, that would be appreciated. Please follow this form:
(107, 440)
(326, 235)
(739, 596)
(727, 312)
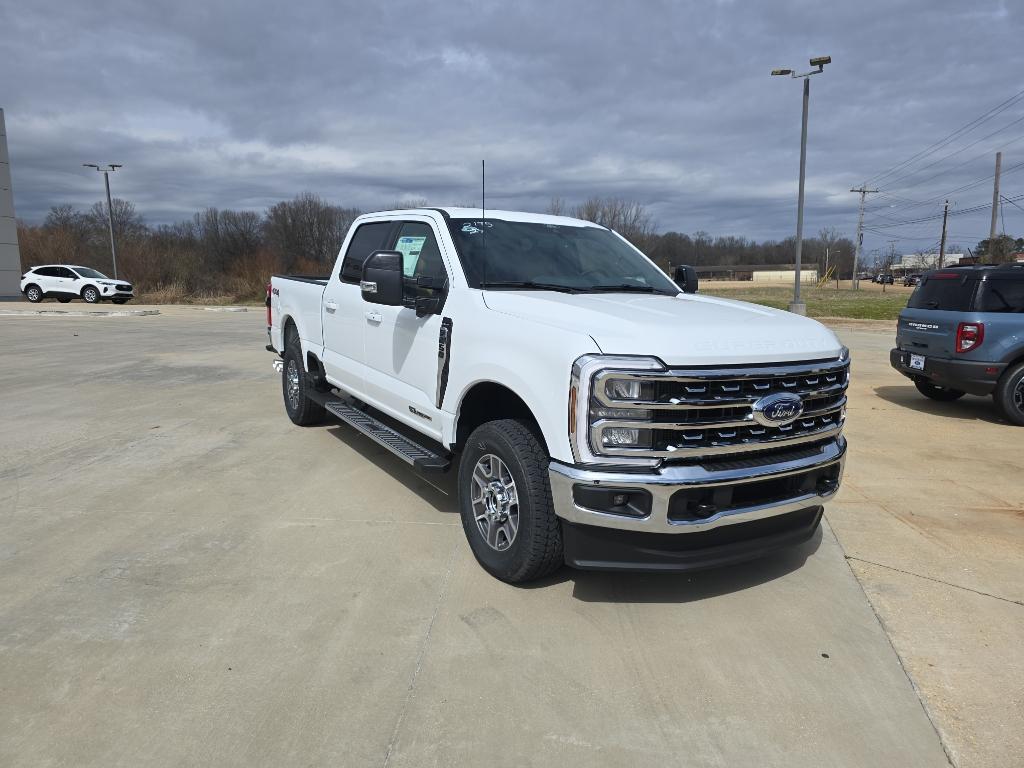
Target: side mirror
(382, 281)
(685, 277)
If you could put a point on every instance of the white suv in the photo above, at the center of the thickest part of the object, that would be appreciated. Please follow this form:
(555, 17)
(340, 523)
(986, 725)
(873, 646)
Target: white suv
(64, 283)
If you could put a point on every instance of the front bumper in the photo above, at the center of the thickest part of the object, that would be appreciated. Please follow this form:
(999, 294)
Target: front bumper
(975, 378)
(696, 515)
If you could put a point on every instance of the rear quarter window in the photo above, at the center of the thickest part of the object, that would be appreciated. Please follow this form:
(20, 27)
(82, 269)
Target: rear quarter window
(948, 292)
(1001, 295)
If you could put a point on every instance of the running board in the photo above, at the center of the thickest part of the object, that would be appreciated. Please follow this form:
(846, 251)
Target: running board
(419, 456)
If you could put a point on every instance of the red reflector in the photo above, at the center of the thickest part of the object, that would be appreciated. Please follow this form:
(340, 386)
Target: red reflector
(990, 370)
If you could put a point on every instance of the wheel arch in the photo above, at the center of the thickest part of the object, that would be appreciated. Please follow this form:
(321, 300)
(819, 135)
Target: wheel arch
(87, 286)
(486, 401)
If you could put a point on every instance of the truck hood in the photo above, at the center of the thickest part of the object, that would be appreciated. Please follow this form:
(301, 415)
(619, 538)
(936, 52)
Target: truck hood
(682, 330)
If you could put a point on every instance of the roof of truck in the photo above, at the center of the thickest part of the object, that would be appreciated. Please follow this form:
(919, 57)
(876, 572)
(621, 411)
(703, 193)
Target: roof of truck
(477, 213)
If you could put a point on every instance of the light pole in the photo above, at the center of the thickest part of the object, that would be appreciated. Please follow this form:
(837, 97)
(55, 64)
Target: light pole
(110, 208)
(797, 305)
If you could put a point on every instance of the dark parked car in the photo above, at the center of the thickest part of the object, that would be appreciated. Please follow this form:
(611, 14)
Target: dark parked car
(963, 333)
(886, 279)
(911, 280)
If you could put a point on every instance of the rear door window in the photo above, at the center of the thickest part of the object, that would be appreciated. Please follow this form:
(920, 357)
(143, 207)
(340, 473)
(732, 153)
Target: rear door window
(367, 239)
(48, 271)
(944, 291)
(1001, 295)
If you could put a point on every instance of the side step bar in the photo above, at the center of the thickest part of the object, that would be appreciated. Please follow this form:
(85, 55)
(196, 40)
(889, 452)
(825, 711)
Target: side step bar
(405, 448)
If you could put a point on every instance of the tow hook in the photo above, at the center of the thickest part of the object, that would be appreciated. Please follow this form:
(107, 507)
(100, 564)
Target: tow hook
(278, 365)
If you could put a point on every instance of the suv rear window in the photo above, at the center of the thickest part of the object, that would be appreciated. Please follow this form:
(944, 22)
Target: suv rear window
(1001, 295)
(948, 291)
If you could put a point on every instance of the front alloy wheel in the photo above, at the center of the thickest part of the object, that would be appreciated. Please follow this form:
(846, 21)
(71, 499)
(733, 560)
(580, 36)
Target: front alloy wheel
(495, 502)
(90, 295)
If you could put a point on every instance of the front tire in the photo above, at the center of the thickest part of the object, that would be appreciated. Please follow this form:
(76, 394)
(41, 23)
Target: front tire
(505, 502)
(295, 385)
(1009, 395)
(90, 295)
(935, 392)
(34, 293)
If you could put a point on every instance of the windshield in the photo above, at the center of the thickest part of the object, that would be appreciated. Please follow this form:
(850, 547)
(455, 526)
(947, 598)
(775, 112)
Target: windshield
(553, 257)
(86, 272)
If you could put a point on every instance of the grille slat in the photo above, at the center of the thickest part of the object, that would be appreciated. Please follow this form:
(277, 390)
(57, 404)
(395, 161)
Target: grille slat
(697, 413)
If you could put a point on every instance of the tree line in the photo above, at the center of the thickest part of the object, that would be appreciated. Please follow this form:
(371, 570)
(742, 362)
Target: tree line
(228, 254)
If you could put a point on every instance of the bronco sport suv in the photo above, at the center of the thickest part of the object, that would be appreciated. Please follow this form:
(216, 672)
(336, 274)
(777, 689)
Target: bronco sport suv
(963, 333)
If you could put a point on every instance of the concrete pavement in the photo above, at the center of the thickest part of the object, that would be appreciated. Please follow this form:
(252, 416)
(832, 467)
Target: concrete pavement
(186, 578)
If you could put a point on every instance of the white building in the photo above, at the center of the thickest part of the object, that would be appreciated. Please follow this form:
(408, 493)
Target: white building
(923, 261)
(10, 258)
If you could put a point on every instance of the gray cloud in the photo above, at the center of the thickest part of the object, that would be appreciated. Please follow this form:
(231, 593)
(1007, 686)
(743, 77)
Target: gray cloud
(234, 105)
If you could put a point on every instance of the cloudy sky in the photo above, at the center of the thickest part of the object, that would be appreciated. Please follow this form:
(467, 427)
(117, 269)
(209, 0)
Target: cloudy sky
(240, 104)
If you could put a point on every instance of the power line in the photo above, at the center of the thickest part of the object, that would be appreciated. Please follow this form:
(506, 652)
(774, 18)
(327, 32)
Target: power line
(1001, 107)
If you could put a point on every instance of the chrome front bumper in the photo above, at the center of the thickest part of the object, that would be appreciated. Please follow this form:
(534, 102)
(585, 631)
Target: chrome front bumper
(663, 484)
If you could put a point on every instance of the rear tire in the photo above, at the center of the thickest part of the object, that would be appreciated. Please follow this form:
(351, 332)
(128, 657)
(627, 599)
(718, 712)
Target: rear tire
(295, 385)
(34, 293)
(505, 503)
(90, 295)
(935, 392)
(1009, 395)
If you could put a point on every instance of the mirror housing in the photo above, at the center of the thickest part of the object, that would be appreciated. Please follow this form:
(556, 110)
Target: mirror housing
(382, 281)
(685, 277)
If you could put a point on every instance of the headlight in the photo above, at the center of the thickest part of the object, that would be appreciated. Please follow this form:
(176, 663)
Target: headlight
(621, 437)
(599, 399)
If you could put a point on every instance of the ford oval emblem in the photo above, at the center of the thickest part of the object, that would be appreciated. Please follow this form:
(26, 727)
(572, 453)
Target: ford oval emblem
(778, 410)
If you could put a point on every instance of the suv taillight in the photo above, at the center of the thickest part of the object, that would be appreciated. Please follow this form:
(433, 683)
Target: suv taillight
(969, 336)
(269, 288)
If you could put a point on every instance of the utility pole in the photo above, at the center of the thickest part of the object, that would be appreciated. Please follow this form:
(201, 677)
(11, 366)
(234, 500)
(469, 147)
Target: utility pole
(995, 201)
(110, 207)
(864, 192)
(942, 241)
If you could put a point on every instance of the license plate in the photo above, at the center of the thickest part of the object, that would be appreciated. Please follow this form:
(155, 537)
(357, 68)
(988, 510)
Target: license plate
(917, 362)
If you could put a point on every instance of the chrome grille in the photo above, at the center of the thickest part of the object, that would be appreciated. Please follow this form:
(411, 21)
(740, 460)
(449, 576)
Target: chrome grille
(703, 412)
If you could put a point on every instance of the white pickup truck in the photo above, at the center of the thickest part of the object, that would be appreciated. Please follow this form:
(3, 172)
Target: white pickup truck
(598, 414)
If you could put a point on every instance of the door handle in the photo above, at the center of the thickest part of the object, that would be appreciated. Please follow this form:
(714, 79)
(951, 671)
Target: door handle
(331, 306)
(373, 316)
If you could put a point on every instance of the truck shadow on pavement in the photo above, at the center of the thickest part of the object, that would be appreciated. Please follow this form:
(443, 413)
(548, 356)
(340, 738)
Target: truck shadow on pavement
(967, 408)
(438, 490)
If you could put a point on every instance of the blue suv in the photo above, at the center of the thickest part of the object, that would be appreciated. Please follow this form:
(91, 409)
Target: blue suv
(962, 332)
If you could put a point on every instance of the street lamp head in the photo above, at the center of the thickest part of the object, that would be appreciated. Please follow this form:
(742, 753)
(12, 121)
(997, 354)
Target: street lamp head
(821, 61)
(782, 71)
(90, 165)
(115, 165)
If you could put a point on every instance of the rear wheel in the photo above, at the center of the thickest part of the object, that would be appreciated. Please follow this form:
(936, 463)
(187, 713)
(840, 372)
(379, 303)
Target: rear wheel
(505, 502)
(935, 392)
(90, 295)
(295, 384)
(1009, 395)
(34, 294)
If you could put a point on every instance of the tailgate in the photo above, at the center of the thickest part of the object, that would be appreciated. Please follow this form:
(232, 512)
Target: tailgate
(928, 332)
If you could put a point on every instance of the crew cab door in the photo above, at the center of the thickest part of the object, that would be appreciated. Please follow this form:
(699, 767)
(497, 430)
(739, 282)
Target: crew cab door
(402, 362)
(343, 310)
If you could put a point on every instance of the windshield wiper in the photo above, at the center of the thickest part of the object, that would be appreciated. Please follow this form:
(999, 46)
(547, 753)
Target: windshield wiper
(529, 285)
(630, 288)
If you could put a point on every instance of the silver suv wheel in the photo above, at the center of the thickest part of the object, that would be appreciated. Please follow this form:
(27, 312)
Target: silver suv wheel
(495, 502)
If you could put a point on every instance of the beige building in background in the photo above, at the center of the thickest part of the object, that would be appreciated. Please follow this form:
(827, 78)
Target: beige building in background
(10, 258)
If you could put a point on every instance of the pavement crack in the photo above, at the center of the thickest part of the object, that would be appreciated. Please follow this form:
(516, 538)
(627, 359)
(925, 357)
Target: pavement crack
(938, 581)
(442, 592)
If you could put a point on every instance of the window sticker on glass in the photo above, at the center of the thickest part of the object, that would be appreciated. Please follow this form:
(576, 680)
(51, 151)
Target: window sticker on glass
(410, 248)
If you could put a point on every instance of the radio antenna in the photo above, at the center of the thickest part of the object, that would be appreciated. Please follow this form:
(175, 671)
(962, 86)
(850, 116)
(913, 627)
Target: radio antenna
(483, 215)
